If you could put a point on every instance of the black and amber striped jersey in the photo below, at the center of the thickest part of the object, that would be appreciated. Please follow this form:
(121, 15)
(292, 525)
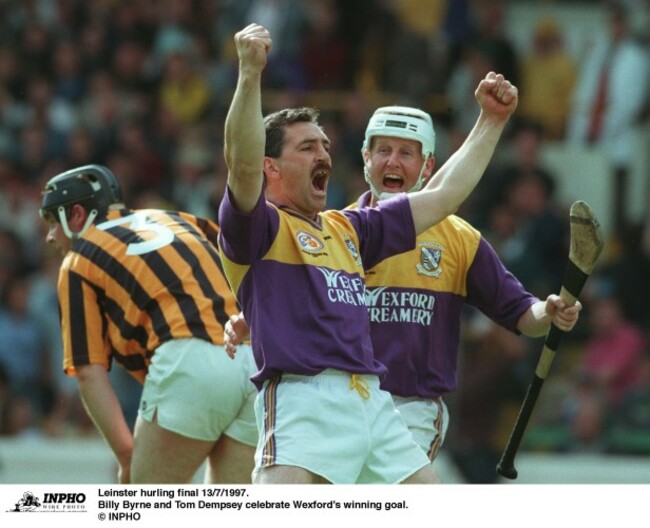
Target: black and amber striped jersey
(136, 279)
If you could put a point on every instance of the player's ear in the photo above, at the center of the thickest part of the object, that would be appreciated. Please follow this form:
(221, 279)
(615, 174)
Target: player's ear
(366, 156)
(429, 168)
(78, 216)
(271, 169)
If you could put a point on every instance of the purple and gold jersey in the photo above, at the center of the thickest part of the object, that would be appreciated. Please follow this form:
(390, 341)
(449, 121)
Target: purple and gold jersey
(415, 302)
(137, 279)
(301, 282)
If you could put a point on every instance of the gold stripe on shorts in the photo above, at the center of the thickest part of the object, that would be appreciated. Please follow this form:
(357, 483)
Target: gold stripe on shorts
(268, 432)
(434, 447)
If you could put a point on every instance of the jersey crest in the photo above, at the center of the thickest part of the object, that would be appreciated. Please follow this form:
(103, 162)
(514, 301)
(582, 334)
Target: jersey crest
(308, 242)
(353, 251)
(430, 256)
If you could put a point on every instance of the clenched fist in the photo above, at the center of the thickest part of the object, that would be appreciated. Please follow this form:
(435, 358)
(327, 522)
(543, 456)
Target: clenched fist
(497, 96)
(253, 45)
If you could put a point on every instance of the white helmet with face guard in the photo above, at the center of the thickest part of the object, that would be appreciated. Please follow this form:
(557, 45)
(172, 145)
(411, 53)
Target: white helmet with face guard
(401, 122)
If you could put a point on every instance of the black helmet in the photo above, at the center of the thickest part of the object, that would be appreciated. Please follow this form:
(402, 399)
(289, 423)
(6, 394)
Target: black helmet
(93, 186)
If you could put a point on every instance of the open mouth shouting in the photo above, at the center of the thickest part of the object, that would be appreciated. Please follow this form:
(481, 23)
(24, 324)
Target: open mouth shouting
(319, 178)
(393, 182)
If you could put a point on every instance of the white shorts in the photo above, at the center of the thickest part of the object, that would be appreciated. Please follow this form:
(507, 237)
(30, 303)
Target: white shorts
(194, 389)
(325, 425)
(427, 420)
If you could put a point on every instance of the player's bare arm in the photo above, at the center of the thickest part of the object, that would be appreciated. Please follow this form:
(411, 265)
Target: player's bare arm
(244, 130)
(105, 410)
(453, 183)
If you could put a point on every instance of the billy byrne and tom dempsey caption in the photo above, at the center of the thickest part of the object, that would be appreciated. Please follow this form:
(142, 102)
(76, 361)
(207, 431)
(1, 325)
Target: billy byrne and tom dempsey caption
(132, 500)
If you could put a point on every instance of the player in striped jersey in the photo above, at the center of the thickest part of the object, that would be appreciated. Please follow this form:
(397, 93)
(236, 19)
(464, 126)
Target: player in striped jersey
(299, 274)
(144, 288)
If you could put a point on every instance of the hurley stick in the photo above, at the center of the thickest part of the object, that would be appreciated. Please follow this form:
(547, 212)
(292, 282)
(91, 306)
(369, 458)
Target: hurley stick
(585, 248)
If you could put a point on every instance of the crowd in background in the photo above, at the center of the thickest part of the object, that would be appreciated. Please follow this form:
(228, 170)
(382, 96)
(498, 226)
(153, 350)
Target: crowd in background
(143, 87)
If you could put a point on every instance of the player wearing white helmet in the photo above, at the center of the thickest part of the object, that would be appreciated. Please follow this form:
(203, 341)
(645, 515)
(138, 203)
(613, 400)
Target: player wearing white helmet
(415, 299)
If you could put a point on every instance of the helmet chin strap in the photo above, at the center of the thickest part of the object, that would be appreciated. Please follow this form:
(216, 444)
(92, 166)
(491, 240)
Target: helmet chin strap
(66, 228)
(385, 195)
(373, 189)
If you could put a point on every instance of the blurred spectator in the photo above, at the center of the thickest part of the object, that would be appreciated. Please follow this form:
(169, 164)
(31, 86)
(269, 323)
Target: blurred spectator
(519, 155)
(5, 401)
(613, 351)
(69, 78)
(628, 428)
(458, 28)
(194, 180)
(35, 148)
(12, 77)
(126, 170)
(629, 274)
(610, 368)
(35, 44)
(516, 205)
(66, 16)
(12, 257)
(410, 64)
(537, 252)
(81, 148)
(19, 203)
(374, 45)
(19, 417)
(134, 140)
(129, 70)
(22, 356)
(354, 114)
(94, 47)
(473, 65)
(325, 55)
(489, 390)
(104, 107)
(611, 94)
(45, 108)
(183, 90)
(490, 32)
(174, 32)
(130, 22)
(488, 48)
(548, 76)
(288, 23)
(64, 412)
(12, 89)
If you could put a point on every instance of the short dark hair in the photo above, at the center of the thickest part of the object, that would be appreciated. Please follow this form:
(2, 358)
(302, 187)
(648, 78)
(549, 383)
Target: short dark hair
(275, 124)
